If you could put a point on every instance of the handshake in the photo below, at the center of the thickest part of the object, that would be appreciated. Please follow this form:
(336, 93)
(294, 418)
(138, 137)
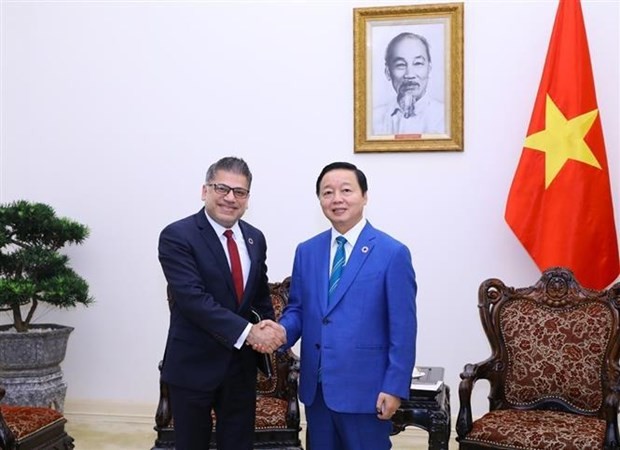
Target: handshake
(266, 336)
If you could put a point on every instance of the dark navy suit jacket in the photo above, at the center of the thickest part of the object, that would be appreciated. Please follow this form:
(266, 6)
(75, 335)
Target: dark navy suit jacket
(205, 319)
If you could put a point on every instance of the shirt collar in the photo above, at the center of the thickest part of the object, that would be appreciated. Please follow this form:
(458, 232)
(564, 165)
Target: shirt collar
(219, 229)
(352, 235)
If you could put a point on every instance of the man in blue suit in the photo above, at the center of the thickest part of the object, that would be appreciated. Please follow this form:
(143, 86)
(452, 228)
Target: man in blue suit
(357, 341)
(216, 277)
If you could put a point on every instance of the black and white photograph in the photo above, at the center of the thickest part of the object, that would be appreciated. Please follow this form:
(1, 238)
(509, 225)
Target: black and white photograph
(408, 91)
(408, 81)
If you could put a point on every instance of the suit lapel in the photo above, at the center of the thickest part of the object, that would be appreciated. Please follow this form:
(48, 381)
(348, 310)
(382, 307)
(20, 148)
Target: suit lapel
(215, 245)
(321, 262)
(250, 243)
(363, 248)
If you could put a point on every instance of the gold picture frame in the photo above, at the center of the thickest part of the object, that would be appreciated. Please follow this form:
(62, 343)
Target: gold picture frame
(414, 101)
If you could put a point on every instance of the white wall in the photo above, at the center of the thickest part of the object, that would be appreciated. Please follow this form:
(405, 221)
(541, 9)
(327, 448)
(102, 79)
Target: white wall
(112, 111)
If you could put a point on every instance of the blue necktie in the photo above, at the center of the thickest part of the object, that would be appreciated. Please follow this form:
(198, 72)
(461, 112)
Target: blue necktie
(337, 265)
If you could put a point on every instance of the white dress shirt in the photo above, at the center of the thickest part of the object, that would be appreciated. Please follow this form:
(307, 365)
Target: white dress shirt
(244, 256)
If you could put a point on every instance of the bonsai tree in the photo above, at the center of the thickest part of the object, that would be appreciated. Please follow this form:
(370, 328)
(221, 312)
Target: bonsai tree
(32, 269)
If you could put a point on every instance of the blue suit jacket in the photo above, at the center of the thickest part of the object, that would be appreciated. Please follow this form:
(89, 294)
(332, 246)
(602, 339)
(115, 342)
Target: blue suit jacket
(364, 339)
(205, 319)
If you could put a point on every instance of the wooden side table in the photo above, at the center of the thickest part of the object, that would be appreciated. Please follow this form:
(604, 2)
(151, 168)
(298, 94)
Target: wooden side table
(427, 409)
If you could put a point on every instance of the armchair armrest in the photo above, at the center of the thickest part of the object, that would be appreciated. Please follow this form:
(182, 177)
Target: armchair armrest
(292, 412)
(612, 402)
(470, 375)
(464, 419)
(163, 415)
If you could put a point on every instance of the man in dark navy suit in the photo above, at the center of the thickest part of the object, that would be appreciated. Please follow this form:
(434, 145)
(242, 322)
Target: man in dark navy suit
(216, 271)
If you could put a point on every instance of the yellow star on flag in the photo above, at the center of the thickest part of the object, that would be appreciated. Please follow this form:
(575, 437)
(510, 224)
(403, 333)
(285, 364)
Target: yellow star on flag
(562, 140)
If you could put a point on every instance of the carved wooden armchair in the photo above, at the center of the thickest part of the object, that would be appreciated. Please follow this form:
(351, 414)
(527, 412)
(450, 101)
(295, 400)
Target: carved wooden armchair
(277, 404)
(553, 370)
(32, 428)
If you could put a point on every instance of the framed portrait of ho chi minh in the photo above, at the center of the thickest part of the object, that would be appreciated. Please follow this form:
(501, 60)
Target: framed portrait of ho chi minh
(408, 84)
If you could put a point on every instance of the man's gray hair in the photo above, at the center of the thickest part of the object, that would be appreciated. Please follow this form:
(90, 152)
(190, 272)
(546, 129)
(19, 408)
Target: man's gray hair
(230, 164)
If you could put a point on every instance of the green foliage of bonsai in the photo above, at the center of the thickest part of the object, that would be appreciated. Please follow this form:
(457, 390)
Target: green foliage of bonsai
(32, 270)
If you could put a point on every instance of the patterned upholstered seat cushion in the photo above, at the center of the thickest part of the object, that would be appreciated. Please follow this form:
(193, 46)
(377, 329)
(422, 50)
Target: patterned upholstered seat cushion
(555, 353)
(538, 430)
(27, 420)
(270, 413)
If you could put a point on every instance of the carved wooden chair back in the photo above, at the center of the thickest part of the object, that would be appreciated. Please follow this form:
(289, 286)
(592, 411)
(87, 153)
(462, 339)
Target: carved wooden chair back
(553, 370)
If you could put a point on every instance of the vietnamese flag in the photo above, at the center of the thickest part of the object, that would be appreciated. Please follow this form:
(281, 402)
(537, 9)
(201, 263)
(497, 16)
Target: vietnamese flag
(560, 205)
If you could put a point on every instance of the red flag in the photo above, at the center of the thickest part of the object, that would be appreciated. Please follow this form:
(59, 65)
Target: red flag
(560, 204)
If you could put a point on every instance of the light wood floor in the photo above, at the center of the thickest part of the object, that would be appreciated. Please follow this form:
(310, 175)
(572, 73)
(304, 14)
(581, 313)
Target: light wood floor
(100, 434)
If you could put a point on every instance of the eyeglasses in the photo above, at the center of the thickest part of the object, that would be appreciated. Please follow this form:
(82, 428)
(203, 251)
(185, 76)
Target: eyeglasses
(224, 189)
